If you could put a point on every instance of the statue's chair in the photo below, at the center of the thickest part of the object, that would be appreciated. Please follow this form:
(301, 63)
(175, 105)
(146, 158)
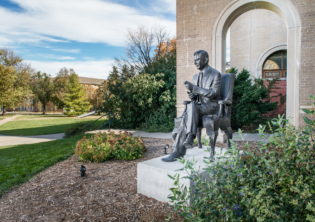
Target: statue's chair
(213, 123)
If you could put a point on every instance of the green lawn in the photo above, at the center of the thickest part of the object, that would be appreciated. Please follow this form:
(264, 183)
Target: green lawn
(20, 163)
(39, 127)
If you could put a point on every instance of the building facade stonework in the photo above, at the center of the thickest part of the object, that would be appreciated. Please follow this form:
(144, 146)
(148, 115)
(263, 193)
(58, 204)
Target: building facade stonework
(203, 24)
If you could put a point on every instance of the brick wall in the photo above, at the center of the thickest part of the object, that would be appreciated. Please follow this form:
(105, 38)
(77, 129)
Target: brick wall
(282, 85)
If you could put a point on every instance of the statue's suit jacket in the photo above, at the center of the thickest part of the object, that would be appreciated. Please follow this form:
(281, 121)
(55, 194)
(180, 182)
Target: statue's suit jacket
(209, 90)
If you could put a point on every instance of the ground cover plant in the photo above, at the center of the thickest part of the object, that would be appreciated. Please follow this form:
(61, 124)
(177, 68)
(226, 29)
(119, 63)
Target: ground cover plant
(20, 163)
(105, 146)
(275, 183)
(39, 127)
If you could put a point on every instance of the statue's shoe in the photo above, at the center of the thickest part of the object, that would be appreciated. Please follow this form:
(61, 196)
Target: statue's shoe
(172, 157)
(189, 142)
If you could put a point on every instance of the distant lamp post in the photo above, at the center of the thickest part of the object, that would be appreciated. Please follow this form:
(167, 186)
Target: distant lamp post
(165, 148)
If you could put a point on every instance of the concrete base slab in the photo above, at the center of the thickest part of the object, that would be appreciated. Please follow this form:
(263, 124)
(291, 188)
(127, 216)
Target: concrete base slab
(152, 179)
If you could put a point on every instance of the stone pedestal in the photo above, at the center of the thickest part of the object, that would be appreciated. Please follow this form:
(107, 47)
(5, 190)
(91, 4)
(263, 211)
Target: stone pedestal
(152, 179)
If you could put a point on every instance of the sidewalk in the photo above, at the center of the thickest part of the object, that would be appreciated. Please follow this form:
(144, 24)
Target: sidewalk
(247, 137)
(18, 140)
(8, 119)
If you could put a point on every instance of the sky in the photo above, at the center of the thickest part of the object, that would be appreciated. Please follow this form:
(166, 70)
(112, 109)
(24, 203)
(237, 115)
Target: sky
(84, 35)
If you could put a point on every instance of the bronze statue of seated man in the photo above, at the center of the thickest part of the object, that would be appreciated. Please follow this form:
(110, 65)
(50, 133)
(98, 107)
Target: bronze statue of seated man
(204, 93)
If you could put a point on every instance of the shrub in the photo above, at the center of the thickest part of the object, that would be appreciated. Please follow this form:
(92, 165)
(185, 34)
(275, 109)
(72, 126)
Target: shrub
(105, 146)
(146, 100)
(74, 129)
(251, 98)
(275, 182)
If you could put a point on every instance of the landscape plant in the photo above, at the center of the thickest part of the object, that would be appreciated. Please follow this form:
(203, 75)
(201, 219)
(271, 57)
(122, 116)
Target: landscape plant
(251, 98)
(145, 100)
(105, 146)
(273, 182)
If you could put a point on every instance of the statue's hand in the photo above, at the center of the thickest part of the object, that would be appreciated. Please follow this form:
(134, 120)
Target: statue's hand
(192, 96)
(189, 85)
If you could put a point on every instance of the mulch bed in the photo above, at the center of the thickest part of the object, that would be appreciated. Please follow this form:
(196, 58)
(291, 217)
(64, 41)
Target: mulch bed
(107, 193)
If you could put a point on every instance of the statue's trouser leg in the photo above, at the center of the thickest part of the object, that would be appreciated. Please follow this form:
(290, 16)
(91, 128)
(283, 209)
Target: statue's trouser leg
(188, 124)
(180, 137)
(192, 118)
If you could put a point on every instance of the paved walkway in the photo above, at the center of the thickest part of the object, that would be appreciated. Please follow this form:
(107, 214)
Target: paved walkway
(17, 140)
(247, 137)
(8, 119)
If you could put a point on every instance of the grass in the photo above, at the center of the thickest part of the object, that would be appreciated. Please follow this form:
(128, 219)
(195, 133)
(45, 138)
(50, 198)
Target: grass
(39, 127)
(20, 163)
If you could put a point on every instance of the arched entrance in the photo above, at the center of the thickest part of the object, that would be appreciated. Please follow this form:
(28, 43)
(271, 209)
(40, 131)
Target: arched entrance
(291, 18)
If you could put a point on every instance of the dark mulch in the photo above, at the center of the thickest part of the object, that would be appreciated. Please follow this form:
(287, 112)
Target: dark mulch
(107, 193)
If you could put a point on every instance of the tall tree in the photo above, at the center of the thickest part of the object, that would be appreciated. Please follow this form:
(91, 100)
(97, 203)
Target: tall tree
(76, 101)
(141, 46)
(60, 82)
(42, 88)
(21, 76)
(7, 79)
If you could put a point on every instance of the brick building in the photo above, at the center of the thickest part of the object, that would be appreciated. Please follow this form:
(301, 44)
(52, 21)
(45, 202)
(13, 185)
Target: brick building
(203, 24)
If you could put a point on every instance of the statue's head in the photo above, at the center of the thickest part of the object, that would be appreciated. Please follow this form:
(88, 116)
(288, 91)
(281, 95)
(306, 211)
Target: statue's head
(201, 58)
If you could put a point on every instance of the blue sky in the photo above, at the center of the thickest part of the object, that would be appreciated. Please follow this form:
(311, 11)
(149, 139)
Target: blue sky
(84, 35)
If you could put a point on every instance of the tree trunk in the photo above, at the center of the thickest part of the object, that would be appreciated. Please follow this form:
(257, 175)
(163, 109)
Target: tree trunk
(4, 112)
(44, 108)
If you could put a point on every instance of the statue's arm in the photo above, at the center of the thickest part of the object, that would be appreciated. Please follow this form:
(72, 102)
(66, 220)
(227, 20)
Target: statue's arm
(213, 91)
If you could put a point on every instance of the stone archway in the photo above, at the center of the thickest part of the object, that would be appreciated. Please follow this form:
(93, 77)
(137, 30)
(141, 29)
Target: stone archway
(289, 14)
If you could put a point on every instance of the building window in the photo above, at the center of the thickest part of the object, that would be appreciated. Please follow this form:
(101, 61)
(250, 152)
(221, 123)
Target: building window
(275, 65)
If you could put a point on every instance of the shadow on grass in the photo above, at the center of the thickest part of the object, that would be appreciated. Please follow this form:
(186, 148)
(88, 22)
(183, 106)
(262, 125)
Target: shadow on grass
(42, 127)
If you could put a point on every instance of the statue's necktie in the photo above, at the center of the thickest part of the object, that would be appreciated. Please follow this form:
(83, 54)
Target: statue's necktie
(200, 79)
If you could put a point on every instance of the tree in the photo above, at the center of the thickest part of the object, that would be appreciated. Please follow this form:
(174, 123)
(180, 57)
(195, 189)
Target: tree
(76, 101)
(251, 99)
(7, 79)
(42, 88)
(141, 47)
(21, 76)
(60, 82)
(148, 99)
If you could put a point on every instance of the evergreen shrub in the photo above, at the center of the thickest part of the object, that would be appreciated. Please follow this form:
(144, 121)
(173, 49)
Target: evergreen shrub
(105, 146)
(274, 182)
(251, 98)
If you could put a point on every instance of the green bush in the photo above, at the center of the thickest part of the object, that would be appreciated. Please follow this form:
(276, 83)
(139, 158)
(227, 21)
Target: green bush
(75, 129)
(147, 100)
(105, 146)
(251, 98)
(274, 182)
